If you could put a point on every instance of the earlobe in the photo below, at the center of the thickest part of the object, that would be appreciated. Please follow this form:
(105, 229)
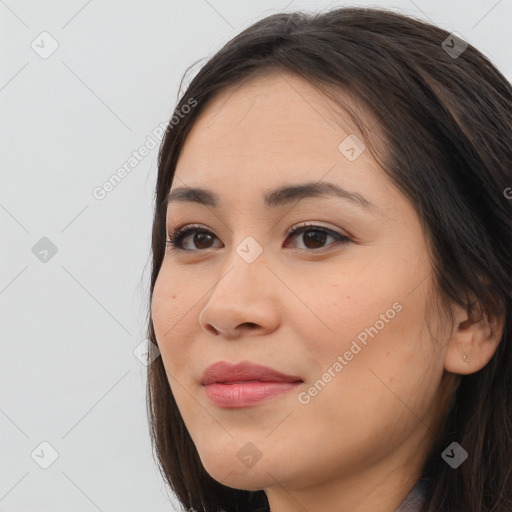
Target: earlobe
(473, 343)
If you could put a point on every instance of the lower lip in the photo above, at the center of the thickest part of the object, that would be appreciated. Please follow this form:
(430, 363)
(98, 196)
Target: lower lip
(243, 394)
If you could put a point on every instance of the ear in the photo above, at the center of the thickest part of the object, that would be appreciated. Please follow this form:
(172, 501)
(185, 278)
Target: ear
(473, 341)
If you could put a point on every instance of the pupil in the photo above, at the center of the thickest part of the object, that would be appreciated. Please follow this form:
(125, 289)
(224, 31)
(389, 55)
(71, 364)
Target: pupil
(317, 238)
(201, 238)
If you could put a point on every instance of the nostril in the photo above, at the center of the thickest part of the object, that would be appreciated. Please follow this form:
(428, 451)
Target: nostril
(213, 330)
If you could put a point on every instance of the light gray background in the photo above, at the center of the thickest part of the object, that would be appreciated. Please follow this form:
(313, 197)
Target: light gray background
(69, 376)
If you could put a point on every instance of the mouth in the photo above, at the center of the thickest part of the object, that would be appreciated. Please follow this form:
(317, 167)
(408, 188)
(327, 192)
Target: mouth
(245, 384)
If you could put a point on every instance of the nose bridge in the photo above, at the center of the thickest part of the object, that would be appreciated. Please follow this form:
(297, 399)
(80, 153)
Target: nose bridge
(241, 294)
(244, 271)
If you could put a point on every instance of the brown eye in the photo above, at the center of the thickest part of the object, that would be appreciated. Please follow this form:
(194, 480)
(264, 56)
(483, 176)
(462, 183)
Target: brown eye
(314, 237)
(201, 239)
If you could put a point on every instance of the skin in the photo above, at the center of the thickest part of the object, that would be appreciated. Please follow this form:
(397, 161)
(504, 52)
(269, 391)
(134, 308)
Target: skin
(361, 442)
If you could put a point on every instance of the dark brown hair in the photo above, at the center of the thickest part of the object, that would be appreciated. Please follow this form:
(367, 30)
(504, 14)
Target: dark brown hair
(446, 123)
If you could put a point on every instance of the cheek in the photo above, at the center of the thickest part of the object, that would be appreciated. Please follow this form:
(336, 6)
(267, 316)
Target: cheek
(369, 307)
(171, 310)
(377, 399)
(378, 329)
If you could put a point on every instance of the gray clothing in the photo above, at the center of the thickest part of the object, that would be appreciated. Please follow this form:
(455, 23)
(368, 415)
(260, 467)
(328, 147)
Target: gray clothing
(415, 499)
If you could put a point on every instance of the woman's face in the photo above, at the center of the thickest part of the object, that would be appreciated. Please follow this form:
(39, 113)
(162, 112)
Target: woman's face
(341, 307)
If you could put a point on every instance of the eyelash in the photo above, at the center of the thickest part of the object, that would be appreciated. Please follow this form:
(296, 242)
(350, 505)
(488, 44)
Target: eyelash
(176, 236)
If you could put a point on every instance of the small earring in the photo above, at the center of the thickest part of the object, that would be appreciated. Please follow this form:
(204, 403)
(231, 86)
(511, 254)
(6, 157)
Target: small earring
(466, 358)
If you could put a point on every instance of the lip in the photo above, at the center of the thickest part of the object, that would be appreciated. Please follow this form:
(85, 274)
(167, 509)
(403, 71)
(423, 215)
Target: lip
(224, 372)
(245, 384)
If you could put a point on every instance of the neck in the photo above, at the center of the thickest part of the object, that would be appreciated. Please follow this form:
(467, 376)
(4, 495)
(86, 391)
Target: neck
(380, 487)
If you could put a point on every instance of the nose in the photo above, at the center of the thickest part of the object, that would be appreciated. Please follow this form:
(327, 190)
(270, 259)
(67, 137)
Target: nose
(243, 302)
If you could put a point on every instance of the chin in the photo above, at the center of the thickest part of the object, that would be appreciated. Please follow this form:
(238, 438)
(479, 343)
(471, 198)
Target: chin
(229, 470)
(240, 478)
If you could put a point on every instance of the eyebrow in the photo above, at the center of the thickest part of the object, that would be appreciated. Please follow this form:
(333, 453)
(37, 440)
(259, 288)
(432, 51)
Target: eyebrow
(278, 197)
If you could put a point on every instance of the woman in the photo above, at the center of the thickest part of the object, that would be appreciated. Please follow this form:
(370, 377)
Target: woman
(331, 285)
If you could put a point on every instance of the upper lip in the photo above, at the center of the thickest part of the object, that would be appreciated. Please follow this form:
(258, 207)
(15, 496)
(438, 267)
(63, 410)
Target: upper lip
(226, 372)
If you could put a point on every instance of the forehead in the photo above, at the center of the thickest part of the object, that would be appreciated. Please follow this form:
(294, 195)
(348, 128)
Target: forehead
(269, 130)
(272, 113)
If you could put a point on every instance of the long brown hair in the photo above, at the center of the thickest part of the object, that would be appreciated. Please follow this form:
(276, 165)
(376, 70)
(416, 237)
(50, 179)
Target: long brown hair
(445, 115)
